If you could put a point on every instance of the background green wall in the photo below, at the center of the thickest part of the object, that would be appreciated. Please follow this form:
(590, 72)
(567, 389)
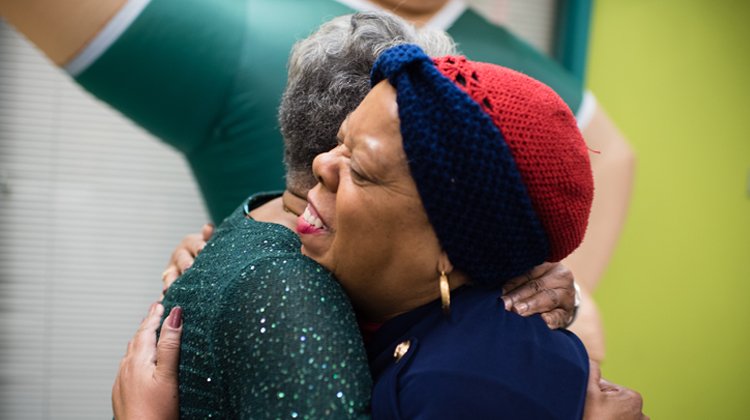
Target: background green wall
(675, 76)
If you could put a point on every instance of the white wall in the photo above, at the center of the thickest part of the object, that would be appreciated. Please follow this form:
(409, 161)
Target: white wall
(90, 209)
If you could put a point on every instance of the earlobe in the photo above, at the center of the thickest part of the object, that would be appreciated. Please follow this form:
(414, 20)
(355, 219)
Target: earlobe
(444, 263)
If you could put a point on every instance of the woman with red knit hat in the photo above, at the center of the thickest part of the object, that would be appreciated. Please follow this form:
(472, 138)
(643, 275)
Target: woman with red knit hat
(451, 178)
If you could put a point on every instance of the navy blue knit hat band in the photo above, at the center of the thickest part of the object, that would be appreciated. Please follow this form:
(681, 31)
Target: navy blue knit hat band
(465, 173)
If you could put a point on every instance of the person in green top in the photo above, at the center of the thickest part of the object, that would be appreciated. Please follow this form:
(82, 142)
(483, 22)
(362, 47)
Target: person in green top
(267, 332)
(205, 76)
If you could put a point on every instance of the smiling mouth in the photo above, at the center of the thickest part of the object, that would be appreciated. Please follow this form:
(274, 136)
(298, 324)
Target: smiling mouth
(310, 222)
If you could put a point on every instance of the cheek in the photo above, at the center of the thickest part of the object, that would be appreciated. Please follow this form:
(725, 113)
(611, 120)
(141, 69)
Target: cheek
(364, 234)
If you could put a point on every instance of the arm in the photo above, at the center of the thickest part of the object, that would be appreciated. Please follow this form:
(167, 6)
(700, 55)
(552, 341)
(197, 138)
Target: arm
(59, 28)
(613, 167)
(289, 343)
(166, 64)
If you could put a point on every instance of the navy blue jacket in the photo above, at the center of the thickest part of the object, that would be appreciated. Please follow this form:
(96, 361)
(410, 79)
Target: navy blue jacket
(478, 362)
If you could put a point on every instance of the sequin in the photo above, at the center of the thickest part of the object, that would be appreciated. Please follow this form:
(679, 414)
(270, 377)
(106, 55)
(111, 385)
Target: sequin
(267, 333)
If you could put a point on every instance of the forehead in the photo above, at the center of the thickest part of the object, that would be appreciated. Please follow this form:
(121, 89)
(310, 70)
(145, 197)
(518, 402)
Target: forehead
(374, 126)
(378, 110)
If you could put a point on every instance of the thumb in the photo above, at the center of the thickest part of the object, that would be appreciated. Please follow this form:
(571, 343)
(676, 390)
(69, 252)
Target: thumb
(168, 347)
(607, 386)
(595, 375)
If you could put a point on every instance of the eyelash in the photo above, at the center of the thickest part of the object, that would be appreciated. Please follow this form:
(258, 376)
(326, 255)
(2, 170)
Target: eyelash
(357, 177)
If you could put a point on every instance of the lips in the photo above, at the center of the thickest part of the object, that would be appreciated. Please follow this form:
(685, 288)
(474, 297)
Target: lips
(310, 222)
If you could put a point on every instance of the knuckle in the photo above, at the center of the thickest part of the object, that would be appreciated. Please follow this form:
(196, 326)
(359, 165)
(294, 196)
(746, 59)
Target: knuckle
(553, 296)
(169, 345)
(537, 285)
(559, 321)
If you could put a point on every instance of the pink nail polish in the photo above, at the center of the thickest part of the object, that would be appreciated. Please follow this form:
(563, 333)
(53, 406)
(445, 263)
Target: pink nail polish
(175, 317)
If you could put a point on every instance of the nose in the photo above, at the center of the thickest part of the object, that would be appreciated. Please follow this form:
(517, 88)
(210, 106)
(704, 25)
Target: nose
(326, 169)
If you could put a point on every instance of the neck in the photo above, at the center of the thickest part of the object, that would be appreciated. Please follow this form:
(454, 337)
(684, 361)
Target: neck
(416, 296)
(283, 210)
(418, 12)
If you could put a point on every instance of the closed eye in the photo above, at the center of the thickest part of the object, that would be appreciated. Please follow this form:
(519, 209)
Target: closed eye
(358, 177)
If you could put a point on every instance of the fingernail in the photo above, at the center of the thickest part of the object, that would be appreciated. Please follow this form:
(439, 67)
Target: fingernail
(521, 308)
(507, 301)
(175, 317)
(151, 308)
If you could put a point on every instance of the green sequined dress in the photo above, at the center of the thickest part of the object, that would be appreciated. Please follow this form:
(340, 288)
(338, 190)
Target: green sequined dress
(268, 333)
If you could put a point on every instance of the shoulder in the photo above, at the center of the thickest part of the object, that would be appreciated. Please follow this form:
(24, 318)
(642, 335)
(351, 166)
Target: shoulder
(286, 292)
(484, 361)
(285, 323)
(289, 276)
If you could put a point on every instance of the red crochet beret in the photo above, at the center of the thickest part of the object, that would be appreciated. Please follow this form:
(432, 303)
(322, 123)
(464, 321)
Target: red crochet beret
(545, 142)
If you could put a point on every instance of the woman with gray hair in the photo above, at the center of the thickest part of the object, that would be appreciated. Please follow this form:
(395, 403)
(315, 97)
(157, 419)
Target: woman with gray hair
(267, 332)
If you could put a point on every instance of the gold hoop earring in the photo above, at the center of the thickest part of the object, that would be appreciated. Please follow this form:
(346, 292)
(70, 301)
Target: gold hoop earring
(445, 292)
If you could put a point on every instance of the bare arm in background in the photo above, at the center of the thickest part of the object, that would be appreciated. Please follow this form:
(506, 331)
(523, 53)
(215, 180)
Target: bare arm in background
(614, 169)
(60, 28)
(613, 164)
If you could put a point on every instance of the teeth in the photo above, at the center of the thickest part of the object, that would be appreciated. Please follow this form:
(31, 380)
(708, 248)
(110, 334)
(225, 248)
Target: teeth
(311, 219)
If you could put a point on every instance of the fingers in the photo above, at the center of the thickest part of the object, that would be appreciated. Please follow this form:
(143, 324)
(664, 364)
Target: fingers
(184, 255)
(607, 386)
(605, 400)
(528, 287)
(168, 347)
(555, 319)
(543, 300)
(632, 400)
(535, 272)
(539, 295)
(208, 231)
(169, 276)
(182, 259)
(545, 288)
(143, 344)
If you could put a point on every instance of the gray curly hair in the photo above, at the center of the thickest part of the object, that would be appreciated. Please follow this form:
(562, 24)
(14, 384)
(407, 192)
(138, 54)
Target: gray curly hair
(329, 75)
